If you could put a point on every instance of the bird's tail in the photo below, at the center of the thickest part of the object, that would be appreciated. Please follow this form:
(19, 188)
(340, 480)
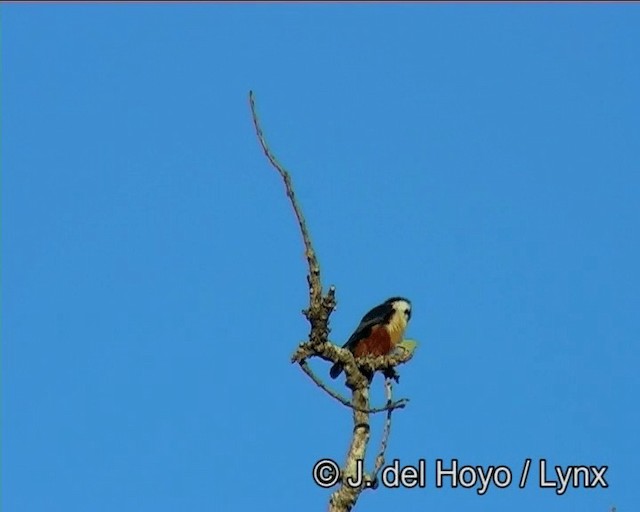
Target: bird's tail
(336, 370)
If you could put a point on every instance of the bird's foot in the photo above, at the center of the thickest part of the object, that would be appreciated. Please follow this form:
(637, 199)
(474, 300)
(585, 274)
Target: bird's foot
(391, 373)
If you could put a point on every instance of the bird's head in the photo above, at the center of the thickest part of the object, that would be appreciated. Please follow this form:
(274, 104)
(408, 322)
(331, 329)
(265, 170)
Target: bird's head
(401, 306)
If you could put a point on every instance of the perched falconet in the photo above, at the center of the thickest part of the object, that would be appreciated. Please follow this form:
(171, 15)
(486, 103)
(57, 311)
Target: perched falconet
(379, 332)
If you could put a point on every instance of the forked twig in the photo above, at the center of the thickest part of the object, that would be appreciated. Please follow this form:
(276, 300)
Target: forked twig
(399, 404)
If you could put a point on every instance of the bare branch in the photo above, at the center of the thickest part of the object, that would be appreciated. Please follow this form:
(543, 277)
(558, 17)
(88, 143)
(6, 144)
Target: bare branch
(346, 496)
(330, 352)
(320, 309)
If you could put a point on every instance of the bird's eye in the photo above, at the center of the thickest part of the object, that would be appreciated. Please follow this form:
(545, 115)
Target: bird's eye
(408, 313)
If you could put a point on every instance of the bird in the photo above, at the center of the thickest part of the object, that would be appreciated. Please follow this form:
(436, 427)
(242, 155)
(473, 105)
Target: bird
(380, 330)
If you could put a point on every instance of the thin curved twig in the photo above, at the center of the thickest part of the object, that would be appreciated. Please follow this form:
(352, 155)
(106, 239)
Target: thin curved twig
(320, 306)
(315, 283)
(398, 404)
(388, 386)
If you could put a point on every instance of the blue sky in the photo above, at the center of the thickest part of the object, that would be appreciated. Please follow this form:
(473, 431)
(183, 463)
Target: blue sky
(482, 160)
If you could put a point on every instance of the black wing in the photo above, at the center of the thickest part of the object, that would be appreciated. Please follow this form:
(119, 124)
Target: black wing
(378, 315)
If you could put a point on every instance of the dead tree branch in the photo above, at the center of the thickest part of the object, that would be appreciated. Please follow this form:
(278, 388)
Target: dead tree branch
(320, 308)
